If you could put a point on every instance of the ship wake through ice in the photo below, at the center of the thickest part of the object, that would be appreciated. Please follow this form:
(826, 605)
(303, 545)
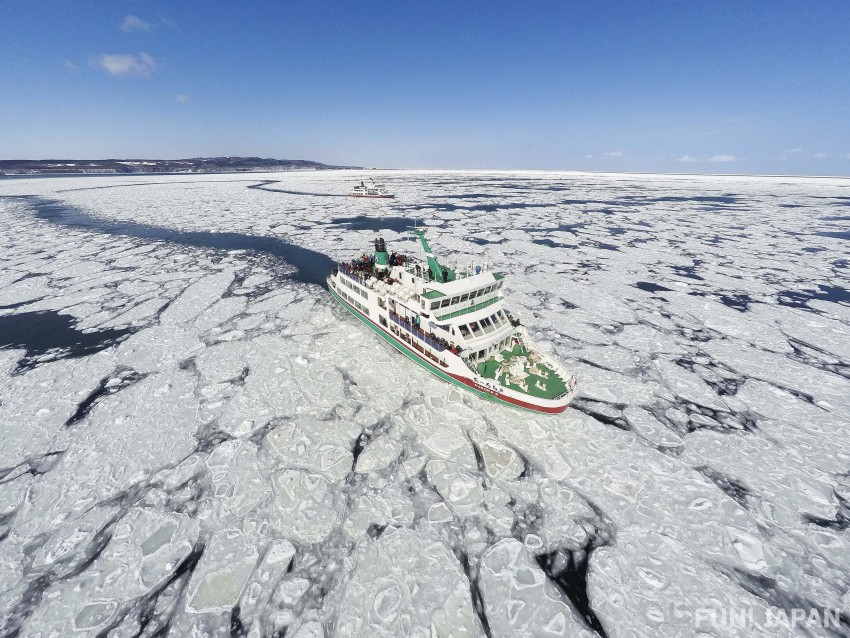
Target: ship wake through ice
(196, 437)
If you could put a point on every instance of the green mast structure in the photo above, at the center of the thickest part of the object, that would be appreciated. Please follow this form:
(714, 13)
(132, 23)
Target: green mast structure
(382, 259)
(435, 267)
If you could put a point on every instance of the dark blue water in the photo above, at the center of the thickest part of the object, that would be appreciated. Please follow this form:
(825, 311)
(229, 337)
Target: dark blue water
(800, 298)
(706, 199)
(687, 271)
(145, 183)
(740, 302)
(362, 222)
(264, 186)
(602, 245)
(642, 200)
(40, 333)
(835, 234)
(484, 242)
(477, 196)
(565, 228)
(550, 243)
(475, 208)
(312, 267)
(648, 286)
(601, 202)
(571, 228)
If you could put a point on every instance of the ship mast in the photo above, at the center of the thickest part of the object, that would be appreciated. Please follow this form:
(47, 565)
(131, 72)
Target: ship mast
(435, 268)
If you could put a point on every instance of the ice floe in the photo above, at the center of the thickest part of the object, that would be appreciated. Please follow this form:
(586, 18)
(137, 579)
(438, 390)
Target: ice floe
(203, 443)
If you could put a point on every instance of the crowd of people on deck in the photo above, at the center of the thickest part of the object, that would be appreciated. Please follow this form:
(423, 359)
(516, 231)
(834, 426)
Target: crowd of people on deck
(364, 266)
(398, 259)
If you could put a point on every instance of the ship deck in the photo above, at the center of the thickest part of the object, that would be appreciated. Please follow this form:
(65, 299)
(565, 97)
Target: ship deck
(522, 370)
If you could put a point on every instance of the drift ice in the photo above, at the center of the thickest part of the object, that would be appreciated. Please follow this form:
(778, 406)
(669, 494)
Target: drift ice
(453, 323)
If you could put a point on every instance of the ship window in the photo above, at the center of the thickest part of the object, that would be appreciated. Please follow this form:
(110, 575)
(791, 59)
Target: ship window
(455, 300)
(481, 354)
(383, 321)
(463, 298)
(445, 303)
(464, 330)
(435, 305)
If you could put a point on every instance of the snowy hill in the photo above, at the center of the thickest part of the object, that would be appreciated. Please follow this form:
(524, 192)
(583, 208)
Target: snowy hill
(193, 165)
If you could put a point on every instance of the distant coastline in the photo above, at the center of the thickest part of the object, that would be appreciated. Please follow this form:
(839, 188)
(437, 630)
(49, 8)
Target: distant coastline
(147, 166)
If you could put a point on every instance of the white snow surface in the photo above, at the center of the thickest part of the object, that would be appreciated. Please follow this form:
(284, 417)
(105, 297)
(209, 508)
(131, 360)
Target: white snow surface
(248, 459)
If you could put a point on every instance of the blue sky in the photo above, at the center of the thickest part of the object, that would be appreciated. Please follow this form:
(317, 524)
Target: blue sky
(715, 87)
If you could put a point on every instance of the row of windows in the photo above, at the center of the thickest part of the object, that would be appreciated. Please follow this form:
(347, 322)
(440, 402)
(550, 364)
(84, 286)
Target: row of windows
(353, 301)
(416, 344)
(483, 326)
(450, 301)
(483, 355)
(348, 284)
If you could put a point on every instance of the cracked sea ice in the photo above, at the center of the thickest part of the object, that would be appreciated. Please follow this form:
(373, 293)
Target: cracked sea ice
(237, 456)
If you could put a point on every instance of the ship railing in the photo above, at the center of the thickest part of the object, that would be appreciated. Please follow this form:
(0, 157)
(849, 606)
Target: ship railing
(346, 270)
(571, 384)
(420, 334)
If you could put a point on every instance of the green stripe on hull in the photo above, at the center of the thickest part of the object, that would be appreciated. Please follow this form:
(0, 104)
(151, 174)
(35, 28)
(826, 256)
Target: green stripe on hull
(410, 355)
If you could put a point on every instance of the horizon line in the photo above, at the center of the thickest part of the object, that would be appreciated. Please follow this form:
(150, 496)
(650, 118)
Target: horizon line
(350, 167)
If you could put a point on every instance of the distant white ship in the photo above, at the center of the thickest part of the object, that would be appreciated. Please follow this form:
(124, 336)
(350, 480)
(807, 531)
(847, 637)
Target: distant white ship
(370, 189)
(454, 324)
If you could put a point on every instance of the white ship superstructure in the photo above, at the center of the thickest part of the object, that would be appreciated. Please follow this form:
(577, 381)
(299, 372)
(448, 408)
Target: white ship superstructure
(452, 322)
(369, 188)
